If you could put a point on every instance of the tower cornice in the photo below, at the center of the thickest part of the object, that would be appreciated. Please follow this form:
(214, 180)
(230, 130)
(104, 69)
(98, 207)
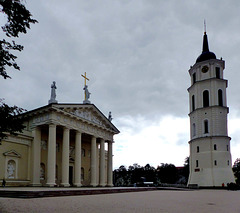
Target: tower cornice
(210, 137)
(202, 108)
(210, 61)
(206, 80)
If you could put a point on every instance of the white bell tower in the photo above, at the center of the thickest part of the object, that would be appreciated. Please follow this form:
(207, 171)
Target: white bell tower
(210, 156)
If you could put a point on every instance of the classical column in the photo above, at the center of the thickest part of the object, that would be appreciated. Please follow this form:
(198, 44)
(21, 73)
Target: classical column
(65, 158)
(51, 160)
(102, 163)
(36, 156)
(109, 168)
(78, 154)
(93, 162)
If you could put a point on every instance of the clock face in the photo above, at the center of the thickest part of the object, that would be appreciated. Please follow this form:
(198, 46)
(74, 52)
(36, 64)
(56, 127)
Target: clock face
(205, 69)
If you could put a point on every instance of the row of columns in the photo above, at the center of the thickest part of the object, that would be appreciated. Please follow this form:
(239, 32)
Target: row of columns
(51, 159)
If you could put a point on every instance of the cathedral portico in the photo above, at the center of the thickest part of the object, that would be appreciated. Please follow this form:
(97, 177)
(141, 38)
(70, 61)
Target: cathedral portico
(62, 145)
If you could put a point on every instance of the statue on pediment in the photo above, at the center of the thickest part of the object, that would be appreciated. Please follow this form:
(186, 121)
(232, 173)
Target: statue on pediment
(53, 94)
(87, 95)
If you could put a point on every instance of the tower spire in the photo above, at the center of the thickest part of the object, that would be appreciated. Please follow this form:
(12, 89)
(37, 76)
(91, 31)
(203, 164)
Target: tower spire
(206, 54)
(205, 31)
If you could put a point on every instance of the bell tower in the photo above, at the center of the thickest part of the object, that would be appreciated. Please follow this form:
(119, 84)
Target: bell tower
(210, 157)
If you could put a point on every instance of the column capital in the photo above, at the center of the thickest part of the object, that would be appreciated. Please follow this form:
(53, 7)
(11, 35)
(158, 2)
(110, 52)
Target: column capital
(52, 124)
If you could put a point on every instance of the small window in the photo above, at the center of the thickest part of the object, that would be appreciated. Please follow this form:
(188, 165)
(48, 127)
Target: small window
(215, 163)
(215, 147)
(197, 148)
(228, 162)
(220, 97)
(205, 98)
(193, 103)
(194, 78)
(197, 163)
(194, 129)
(227, 148)
(206, 126)
(218, 72)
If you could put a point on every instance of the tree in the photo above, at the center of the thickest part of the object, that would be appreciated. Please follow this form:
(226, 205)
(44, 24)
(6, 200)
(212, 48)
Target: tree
(167, 173)
(121, 176)
(236, 170)
(18, 21)
(10, 121)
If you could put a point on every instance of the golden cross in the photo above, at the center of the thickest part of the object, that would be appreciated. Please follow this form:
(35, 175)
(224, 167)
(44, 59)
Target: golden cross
(85, 78)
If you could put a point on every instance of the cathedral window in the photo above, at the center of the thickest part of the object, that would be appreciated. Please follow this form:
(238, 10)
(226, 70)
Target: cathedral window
(83, 152)
(82, 174)
(194, 78)
(220, 98)
(206, 126)
(42, 171)
(197, 163)
(197, 148)
(205, 98)
(215, 147)
(193, 103)
(218, 72)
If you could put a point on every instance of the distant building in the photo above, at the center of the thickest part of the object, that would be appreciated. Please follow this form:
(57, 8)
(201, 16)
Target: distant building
(210, 156)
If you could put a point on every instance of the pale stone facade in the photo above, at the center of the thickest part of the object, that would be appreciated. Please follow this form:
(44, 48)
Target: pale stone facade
(210, 156)
(62, 144)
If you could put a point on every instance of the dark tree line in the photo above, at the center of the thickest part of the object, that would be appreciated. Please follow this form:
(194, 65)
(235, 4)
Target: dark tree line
(163, 174)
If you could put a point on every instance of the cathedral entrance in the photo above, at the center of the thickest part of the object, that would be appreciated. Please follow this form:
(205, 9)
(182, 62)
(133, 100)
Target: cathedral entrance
(71, 175)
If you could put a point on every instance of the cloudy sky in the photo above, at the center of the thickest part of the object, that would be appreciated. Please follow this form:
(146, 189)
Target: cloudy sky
(137, 54)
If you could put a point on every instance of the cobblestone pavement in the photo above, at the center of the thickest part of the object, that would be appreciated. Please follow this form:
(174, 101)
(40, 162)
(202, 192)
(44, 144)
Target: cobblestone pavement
(154, 201)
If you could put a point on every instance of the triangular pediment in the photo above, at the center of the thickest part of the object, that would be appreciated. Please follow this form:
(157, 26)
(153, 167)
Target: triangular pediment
(88, 112)
(12, 153)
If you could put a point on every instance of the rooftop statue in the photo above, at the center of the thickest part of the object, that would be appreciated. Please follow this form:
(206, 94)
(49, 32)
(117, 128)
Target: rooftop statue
(53, 93)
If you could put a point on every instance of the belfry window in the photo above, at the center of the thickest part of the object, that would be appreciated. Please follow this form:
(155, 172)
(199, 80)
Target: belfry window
(206, 126)
(205, 98)
(220, 98)
(194, 78)
(215, 147)
(218, 72)
(193, 103)
(194, 129)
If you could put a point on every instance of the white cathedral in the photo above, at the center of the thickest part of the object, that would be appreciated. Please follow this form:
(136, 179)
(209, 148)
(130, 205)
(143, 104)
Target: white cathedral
(210, 157)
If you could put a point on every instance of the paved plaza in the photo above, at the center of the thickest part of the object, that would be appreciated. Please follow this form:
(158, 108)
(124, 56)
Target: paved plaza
(149, 201)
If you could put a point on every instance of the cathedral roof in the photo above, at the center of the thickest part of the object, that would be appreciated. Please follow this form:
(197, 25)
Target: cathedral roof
(206, 54)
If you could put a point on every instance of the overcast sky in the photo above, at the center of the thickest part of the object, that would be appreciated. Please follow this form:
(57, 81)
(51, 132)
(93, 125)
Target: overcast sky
(137, 54)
